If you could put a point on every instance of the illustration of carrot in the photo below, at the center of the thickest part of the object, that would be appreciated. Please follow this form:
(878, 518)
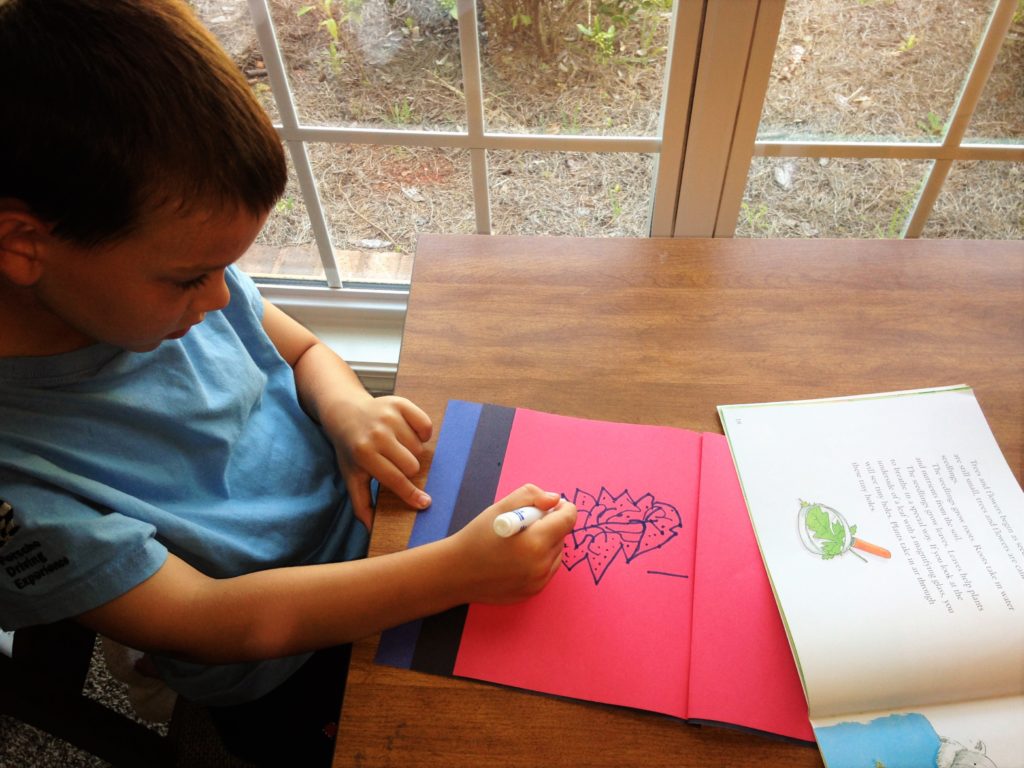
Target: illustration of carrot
(867, 546)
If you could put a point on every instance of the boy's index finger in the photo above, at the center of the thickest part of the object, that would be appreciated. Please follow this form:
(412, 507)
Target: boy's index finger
(525, 496)
(571, 514)
(416, 418)
(561, 516)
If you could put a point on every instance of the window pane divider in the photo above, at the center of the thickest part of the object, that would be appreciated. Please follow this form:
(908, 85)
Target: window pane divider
(907, 150)
(473, 93)
(755, 87)
(464, 140)
(277, 74)
(674, 121)
(981, 68)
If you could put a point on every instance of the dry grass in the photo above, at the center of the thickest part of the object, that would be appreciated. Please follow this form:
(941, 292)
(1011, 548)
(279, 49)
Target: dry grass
(870, 68)
(843, 68)
(882, 69)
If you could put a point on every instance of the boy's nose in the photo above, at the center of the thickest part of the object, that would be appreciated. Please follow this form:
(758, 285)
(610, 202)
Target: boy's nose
(213, 295)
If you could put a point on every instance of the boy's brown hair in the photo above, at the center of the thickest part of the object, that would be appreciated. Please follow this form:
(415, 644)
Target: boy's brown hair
(114, 108)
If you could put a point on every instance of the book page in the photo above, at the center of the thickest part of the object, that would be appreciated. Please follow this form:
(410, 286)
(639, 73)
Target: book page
(893, 533)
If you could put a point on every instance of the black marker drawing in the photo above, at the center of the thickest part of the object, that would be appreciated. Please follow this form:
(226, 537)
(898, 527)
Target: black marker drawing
(673, 575)
(611, 524)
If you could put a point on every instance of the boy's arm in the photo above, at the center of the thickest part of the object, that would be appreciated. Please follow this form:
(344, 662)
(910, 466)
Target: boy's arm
(180, 612)
(378, 437)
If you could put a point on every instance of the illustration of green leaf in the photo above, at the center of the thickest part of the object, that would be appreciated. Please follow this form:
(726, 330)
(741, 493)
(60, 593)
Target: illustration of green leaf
(817, 522)
(831, 549)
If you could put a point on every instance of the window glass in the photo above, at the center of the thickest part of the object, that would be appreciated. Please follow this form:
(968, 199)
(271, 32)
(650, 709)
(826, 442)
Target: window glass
(377, 198)
(886, 72)
(372, 63)
(871, 69)
(980, 199)
(570, 193)
(231, 24)
(568, 67)
(285, 249)
(999, 115)
(829, 197)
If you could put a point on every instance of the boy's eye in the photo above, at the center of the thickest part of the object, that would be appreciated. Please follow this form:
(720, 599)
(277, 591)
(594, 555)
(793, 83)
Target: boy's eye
(195, 282)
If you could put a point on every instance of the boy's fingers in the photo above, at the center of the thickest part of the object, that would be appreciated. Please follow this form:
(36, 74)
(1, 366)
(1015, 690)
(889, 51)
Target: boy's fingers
(362, 501)
(405, 460)
(412, 417)
(407, 491)
(391, 477)
(561, 518)
(419, 421)
(562, 514)
(525, 496)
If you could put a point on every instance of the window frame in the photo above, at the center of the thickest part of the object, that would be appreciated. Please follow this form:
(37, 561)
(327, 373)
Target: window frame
(716, 80)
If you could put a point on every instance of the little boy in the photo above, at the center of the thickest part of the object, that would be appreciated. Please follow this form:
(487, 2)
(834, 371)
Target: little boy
(183, 468)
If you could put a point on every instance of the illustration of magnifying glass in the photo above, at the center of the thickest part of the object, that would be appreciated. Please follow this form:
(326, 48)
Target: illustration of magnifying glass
(825, 532)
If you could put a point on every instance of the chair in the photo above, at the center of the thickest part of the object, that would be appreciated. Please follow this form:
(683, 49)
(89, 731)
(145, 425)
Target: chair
(41, 685)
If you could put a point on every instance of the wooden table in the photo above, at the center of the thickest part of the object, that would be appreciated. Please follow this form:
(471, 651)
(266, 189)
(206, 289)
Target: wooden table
(660, 331)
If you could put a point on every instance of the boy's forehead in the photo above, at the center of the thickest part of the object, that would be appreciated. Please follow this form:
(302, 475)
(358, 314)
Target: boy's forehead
(196, 239)
(203, 221)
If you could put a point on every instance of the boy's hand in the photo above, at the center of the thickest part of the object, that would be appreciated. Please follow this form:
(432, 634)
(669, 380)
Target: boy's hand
(380, 437)
(505, 570)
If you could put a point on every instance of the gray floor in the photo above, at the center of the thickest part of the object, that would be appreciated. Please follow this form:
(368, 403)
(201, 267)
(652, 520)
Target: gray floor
(26, 747)
(22, 746)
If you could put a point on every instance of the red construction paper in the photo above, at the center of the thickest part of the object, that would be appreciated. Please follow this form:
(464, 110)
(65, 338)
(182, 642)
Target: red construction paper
(652, 608)
(613, 630)
(742, 669)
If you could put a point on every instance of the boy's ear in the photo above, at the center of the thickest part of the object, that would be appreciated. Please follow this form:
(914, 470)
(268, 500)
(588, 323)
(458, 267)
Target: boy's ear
(22, 239)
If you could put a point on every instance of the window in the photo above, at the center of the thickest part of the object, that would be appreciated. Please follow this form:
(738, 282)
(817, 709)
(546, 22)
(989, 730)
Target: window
(888, 119)
(505, 116)
(867, 118)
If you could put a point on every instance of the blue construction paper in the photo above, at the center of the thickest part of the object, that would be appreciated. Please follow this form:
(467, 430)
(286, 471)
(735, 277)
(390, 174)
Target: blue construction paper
(397, 645)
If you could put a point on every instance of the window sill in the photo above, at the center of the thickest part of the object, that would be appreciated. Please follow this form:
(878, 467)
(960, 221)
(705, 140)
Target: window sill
(363, 326)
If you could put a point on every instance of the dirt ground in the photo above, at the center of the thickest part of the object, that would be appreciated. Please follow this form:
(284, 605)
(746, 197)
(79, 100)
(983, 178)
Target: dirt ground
(883, 69)
(879, 69)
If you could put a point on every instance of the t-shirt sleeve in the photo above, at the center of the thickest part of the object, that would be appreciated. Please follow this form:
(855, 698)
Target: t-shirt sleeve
(60, 555)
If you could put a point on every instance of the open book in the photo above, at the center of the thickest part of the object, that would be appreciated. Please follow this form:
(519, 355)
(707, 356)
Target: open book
(661, 603)
(893, 532)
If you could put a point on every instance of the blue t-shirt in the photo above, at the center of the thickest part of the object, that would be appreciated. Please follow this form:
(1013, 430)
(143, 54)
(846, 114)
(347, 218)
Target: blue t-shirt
(109, 459)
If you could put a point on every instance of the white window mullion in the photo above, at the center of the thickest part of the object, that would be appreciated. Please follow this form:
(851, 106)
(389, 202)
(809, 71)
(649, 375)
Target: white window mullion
(274, 62)
(684, 42)
(901, 150)
(724, 49)
(317, 218)
(473, 92)
(748, 118)
(291, 132)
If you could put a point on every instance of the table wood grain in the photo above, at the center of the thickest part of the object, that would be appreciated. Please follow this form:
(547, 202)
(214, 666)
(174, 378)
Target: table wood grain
(661, 331)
